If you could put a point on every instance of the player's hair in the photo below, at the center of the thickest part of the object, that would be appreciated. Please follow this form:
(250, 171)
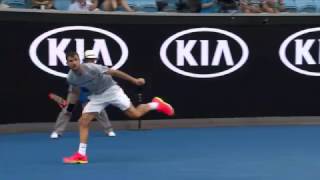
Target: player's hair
(71, 54)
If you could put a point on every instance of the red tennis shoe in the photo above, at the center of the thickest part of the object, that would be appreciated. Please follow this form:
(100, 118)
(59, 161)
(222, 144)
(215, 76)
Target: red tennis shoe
(76, 158)
(163, 106)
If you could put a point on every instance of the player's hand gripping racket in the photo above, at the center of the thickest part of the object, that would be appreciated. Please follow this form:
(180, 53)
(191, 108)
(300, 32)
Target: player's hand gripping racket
(62, 103)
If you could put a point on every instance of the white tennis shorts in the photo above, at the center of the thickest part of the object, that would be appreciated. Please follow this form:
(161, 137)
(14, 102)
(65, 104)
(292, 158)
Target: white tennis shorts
(112, 96)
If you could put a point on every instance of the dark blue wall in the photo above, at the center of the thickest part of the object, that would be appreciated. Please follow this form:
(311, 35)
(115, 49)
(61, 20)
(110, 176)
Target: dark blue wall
(262, 86)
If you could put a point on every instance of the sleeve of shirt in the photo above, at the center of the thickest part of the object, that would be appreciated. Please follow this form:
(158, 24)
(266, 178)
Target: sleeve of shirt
(71, 85)
(101, 69)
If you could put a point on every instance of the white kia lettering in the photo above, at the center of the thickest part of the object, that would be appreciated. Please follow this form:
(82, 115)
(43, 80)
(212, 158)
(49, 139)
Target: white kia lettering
(57, 48)
(101, 46)
(57, 51)
(302, 50)
(222, 51)
(184, 53)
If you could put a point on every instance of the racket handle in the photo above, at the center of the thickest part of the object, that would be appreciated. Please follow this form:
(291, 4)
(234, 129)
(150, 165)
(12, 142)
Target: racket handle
(59, 100)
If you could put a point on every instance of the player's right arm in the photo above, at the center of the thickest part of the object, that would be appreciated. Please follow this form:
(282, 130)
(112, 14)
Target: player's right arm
(117, 74)
(72, 97)
(125, 76)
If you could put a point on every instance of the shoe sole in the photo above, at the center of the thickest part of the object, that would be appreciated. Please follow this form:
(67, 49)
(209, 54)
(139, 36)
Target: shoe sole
(55, 137)
(75, 162)
(162, 101)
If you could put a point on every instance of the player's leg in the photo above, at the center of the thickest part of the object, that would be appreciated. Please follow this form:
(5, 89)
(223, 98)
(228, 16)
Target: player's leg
(123, 102)
(89, 112)
(137, 112)
(84, 122)
(156, 104)
(80, 156)
(104, 120)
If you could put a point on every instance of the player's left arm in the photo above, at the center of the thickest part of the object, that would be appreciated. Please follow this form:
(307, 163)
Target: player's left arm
(125, 76)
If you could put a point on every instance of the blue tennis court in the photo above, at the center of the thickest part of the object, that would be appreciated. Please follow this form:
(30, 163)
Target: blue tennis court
(221, 153)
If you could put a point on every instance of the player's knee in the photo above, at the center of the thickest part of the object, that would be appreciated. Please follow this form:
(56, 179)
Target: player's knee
(84, 121)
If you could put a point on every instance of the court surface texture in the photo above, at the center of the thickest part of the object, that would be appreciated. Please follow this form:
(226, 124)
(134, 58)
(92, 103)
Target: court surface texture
(219, 153)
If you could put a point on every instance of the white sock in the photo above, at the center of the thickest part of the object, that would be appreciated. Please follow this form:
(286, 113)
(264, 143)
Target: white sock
(82, 149)
(153, 105)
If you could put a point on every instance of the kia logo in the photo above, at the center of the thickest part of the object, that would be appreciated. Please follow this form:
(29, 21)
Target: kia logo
(300, 52)
(204, 52)
(47, 51)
